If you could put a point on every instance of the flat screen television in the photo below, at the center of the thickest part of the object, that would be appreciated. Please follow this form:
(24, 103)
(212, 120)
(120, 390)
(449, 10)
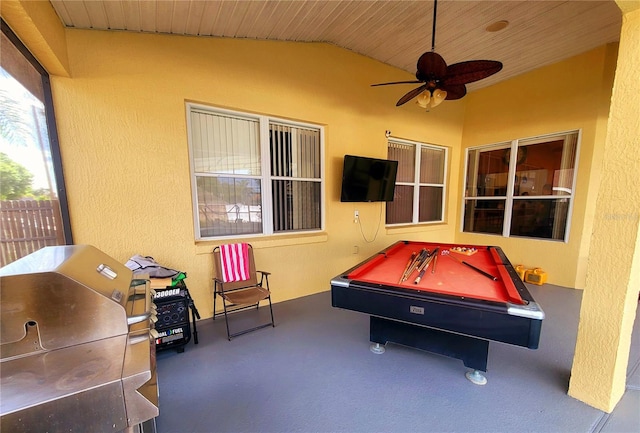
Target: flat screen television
(368, 179)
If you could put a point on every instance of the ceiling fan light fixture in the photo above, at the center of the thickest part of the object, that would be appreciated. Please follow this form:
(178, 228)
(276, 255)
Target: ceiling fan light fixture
(423, 99)
(430, 99)
(437, 97)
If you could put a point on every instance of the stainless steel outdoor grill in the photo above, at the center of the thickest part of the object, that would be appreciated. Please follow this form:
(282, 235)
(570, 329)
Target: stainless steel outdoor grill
(77, 347)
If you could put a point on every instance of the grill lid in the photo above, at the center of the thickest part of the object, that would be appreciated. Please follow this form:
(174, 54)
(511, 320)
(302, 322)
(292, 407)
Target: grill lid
(67, 295)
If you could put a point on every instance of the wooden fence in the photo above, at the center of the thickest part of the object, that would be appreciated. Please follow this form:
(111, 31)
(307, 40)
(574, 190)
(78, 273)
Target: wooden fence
(28, 225)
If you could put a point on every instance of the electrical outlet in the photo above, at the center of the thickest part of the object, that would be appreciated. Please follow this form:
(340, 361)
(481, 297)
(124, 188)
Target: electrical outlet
(356, 216)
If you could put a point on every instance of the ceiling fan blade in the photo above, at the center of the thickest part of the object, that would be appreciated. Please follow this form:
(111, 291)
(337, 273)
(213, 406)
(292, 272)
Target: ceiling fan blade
(397, 82)
(470, 71)
(454, 91)
(431, 66)
(412, 94)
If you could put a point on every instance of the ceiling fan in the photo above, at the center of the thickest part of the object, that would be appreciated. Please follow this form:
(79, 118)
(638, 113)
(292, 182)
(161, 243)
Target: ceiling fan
(440, 81)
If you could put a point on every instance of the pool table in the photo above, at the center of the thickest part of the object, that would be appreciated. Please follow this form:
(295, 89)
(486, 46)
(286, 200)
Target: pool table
(467, 296)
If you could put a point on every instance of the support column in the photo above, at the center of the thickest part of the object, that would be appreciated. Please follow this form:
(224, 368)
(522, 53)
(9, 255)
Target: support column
(610, 300)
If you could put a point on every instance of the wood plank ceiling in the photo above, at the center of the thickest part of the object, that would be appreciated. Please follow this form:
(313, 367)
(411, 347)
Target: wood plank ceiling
(394, 32)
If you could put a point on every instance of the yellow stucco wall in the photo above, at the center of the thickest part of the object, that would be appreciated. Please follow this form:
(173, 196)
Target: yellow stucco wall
(610, 301)
(122, 127)
(564, 96)
(121, 119)
(38, 27)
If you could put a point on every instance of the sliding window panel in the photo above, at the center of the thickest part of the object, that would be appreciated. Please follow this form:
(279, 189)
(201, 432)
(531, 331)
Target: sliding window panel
(540, 218)
(296, 205)
(296, 177)
(432, 165)
(224, 144)
(488, 172)
(430, 204)
(295, 151)
(400, 210)
(431, 200)
(405, 154)
(484, 216)
(228, 206)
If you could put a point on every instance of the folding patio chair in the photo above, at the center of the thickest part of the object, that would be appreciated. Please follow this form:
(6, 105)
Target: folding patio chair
(236, 282)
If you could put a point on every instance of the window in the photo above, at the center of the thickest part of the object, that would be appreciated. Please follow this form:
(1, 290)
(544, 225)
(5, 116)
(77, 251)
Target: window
(420, 190)
(33, 202)
(237, 190)
(522, 188)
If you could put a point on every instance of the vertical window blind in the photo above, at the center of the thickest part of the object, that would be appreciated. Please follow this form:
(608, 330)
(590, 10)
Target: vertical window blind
(419, 192)
(240, 192)
(295, 177)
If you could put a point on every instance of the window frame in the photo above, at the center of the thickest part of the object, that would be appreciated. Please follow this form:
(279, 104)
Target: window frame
(52, 131)
(510, 198)
(417, 184)
(266, 177)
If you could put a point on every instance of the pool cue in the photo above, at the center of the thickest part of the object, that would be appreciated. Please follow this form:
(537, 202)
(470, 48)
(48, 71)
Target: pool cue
(412, 266)
(435, 260)
(406, 268)
(424, 266)
(418, 260)
(480, 271)
(423, 270)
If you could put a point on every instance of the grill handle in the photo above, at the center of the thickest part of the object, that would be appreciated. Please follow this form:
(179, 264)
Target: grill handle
(132, 320)
(149, 313)
(139, 339)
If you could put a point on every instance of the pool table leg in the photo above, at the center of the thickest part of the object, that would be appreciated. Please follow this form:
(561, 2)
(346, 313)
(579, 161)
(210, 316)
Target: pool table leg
(377, 348)
(473, 352)
(476, 377)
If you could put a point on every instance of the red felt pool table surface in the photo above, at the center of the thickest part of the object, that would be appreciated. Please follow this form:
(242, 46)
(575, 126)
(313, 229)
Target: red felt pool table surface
(450, 278)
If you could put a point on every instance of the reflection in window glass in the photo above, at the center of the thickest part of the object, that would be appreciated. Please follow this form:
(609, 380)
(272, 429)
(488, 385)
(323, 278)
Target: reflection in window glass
(537, 184)
(484, 216)
(539, 218)
(487, 173)
(545, 168)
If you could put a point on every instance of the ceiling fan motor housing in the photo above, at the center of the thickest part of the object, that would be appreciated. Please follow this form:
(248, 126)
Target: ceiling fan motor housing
(431, 66)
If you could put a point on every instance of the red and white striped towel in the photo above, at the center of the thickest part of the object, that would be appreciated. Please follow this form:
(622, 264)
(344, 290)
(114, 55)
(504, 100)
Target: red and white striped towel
(235, 262)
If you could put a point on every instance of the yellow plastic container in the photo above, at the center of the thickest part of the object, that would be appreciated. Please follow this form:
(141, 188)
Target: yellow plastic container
(535, 276)
(520, 270)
